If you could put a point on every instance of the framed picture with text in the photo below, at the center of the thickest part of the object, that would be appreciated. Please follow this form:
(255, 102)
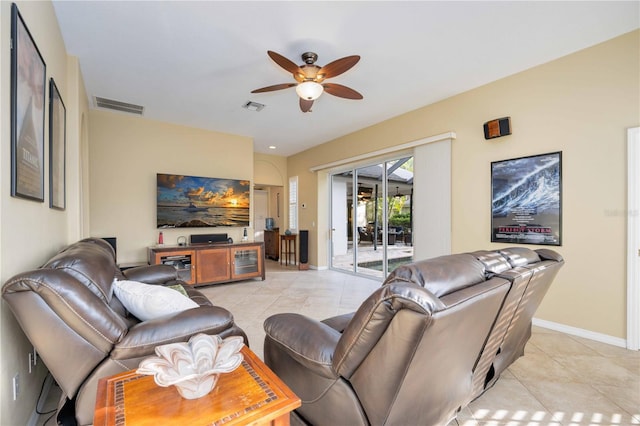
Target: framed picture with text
(28, 87)
(526, 200)
(57, 148)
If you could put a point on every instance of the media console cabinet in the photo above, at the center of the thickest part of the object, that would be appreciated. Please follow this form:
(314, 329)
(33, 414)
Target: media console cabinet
(203, 264)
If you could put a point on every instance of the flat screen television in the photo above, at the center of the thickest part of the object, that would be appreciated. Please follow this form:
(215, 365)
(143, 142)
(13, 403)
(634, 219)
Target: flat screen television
(199, 202)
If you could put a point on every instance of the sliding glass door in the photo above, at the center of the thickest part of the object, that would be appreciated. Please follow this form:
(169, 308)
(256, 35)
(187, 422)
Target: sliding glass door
(371, 217)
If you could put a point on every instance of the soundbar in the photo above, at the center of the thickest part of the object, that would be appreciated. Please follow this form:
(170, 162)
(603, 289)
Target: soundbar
(209, 238)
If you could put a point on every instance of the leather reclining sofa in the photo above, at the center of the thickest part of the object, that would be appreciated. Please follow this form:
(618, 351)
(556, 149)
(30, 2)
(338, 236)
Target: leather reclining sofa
(81, 330)
(432, 338)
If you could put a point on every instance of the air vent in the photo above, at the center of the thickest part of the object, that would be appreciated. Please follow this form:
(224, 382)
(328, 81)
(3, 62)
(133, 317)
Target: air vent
(253, 106)
(118, 106)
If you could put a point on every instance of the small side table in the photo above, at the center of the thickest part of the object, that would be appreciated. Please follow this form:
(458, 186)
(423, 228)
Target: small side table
(287, 248)
(250, 395)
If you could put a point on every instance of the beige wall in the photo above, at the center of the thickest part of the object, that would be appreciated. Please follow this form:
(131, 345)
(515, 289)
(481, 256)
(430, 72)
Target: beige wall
(31, 232)
(269, 170)
(581, 105)
(77, 195)
(270, 174)
(126, 153)
(308, 217)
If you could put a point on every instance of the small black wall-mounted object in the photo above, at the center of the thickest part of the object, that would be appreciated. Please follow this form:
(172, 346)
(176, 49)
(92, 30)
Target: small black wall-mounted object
(497, 128)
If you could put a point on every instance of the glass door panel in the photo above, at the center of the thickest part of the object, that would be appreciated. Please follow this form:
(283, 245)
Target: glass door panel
(246, 261)
(399, 212)
(369, 252)
(342, 254)
(368, 215)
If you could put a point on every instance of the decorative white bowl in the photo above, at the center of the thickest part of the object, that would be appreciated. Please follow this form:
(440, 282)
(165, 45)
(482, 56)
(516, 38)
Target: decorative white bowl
(194, 367)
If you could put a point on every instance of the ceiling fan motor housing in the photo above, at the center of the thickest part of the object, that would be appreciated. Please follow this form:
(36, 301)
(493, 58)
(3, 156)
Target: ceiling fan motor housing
(309, 58)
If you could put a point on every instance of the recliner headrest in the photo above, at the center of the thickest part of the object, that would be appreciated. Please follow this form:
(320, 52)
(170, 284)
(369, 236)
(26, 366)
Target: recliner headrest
(91, 264)
(493, 262)
(519, 256)
(441, 275)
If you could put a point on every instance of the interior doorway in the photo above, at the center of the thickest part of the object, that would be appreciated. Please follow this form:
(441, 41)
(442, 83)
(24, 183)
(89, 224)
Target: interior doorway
(372, 217)
(260, 213)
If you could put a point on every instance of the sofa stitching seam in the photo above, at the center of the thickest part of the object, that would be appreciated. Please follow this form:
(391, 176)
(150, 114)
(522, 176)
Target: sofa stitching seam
(63, 300)
(192, 332)
(327, 364)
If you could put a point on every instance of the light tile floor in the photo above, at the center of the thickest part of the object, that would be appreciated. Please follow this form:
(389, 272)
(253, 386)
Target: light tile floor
(562, 380)
(367, 253)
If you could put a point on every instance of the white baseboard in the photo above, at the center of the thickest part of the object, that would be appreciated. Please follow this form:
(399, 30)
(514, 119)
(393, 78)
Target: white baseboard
(580, 332)
(318, 268)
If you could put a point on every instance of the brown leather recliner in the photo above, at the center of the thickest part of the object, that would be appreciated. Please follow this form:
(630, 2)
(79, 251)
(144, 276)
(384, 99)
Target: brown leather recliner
(531, 274)
(405, 357)
(82, 332)
(411, 353)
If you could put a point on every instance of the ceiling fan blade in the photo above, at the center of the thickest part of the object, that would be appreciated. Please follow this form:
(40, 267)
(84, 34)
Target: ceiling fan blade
(341, 91)
(274, 87)
(338, 66)
(284, 62)
(305, 105)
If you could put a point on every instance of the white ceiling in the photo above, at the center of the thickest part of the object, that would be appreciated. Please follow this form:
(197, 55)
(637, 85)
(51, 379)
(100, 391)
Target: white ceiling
(195, 62)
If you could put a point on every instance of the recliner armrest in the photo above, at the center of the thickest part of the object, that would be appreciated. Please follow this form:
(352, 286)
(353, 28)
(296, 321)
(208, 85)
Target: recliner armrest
(152, 274)
(142, 338)
(308, 341)
(546, 254)
(339, 322)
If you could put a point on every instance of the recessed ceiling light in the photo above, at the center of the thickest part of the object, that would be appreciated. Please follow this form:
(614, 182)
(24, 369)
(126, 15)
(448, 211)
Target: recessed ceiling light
(272, 147)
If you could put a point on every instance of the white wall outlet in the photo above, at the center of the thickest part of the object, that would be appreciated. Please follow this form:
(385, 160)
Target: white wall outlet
(16, 386)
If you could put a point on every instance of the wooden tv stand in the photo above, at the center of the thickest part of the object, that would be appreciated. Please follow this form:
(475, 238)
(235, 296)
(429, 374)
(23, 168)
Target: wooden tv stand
(204, 264)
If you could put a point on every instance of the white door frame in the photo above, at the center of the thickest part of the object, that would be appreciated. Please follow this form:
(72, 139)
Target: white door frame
(633, 239)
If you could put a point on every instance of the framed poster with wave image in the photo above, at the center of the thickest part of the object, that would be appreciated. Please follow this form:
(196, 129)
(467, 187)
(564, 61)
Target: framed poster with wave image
(526, 200)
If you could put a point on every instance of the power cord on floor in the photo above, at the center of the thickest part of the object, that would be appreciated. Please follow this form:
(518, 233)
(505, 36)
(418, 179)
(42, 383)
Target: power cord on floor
(48, 418)
(40, 402)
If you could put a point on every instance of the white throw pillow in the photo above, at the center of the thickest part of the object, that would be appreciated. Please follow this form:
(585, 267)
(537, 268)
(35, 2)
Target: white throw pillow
(146, 301)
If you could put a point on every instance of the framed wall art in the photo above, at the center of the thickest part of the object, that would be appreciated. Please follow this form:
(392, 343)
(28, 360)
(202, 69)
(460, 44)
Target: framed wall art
(57, 148)
(526, 200)
(28, 86)
(199, 202)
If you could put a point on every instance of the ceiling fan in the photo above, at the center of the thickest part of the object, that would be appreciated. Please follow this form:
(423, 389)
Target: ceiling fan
(310, 78)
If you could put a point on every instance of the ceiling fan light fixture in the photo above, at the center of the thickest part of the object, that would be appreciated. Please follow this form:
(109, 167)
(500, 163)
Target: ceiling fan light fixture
(309, 90)
(310, 78)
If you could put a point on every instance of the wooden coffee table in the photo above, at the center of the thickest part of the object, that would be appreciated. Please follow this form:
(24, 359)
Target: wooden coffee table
(251, 394)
